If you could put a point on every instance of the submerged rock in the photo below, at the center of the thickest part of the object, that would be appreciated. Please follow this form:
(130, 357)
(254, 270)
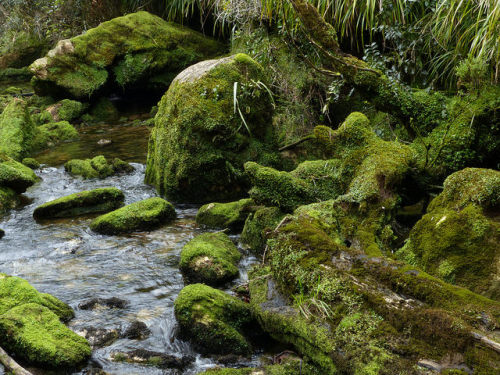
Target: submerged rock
(16, 130)
(199, 144)
(100, 337)
(213, 321)
(458, 238)
(82, 203)
(15, 291)
(111, 303)
(98, 167)
(136, 331)
(138, 50)
(151, 358)
(230, 215)
(210, 258)
(14, 175)
(34, 333)
(143, 215)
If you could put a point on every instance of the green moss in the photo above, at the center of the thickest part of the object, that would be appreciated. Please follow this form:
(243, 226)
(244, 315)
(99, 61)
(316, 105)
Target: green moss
(16, 130)
(210, 258)
(138, 48)
(257, 224)
(31, 163)
(15, 291)
(199, 145)
(213, 320)
(15, 175)
(15, 74)
(53, 133)
(8, 200)
(104, 110)
(230, 215)
(143, 215)
(97, 167)
(287, 366)
(34, 333)
(85, 202)
(68, 110)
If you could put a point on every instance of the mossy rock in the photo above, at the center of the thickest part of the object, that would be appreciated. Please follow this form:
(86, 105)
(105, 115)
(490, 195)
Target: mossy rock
(287, 366)
(15, 291)
(48, 135)
(8, 200)
(143, 215)
(31, 163)
(2, 233)
(212, 320)
(16, 130)
(138, 50)
(14, 175)
(230, 215)
(257, 224)
(457, 239)
(20, 49)
(66, 110)
(34, 333)
(104, 110)
(199, 145)
(82, 203)
(15, 74)
(97, 167)
(210, 258)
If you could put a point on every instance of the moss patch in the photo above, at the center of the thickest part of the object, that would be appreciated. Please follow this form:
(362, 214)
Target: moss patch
(143, 215)
(50, 134)
(16, 130)
(97, 167)
(210, 258)
(257, 224)
(85, 202)
(230, 215)
(14, 175)
(213, 320)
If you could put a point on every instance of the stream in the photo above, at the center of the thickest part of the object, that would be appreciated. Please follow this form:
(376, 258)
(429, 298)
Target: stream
(66, 259)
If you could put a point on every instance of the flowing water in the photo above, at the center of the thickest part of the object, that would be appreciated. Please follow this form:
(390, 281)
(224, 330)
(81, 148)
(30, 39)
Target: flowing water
(66, 259)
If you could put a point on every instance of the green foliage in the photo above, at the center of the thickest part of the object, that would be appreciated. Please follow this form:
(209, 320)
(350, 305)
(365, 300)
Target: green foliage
(143, 215)
(212, 320)
(85, 202)
(210, 258)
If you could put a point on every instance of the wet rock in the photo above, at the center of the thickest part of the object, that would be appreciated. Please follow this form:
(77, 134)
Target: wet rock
(213, 321)
(16, 130)
(100, 337)
(104, 142)
(15, 291)
(2, 233)
(98, 167)
(111, 303)
(138, 50)
(143, 215)
(14, 175)
(198, 146)
(230, 215)
(157, 359)
(136, 331)
(35, 334)
(210, 258)
(85, 202)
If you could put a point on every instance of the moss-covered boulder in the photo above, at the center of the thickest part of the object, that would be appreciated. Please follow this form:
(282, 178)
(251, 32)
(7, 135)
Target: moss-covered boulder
(8, 200)
(458, 238)
(210, 258)
(2, 233)
(50, 134)
(97, 167)
(14, 175)
(257, 225)
(16, 130)
(212, 320)
(82, 203)
(138, 50)
(230, 215)
(15, 291)
(143, 215)
(200, 141)
(31, 163)
(66, 110)
(35, 334)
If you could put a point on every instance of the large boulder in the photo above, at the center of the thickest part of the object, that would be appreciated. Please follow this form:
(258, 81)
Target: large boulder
(210, 258)
(230, 215)
(143, 215)
(215, 116)
(15, 291)
(85, 202)
(458, 238)
(50, 134)
(16, 130)
(34, 333)
(213, 321)
(138, 50)
(66, 110)
(14, 175)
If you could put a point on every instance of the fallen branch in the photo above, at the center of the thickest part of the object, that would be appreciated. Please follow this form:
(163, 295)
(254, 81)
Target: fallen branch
(296, 143)
(12, 365)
